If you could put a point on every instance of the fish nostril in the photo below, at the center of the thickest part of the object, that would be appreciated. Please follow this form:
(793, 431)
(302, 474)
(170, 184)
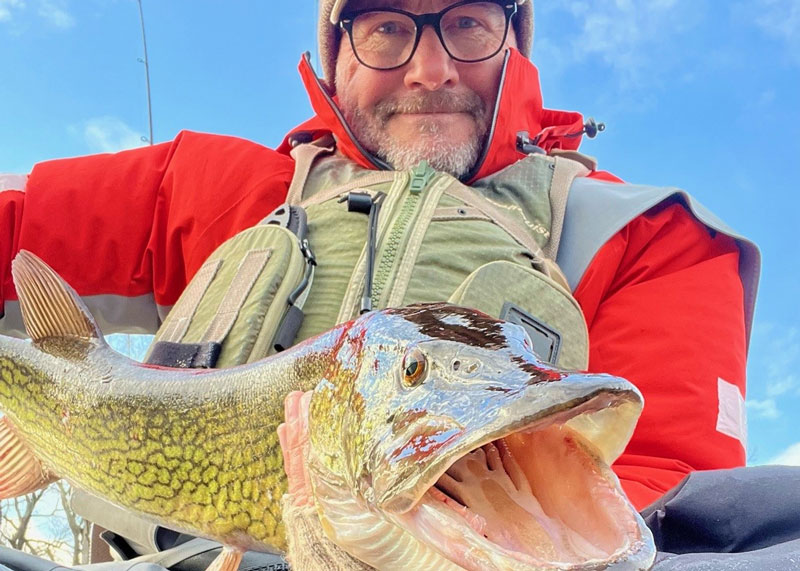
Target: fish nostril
(456, 365)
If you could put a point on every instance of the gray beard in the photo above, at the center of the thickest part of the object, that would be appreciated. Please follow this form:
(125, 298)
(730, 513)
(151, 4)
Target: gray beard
(431, 145)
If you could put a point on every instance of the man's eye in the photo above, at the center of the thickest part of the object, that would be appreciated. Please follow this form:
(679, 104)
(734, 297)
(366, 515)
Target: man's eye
(465, 22)
(389, 28)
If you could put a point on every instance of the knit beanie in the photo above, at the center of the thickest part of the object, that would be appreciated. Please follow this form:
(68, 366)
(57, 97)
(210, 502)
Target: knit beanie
(329, 34)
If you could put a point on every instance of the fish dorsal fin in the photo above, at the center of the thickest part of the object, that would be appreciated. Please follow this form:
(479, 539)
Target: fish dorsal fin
(20, 471)
(50, 307)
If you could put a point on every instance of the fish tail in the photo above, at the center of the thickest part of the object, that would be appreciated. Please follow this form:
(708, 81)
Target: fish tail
(21, 472)
(50, 310)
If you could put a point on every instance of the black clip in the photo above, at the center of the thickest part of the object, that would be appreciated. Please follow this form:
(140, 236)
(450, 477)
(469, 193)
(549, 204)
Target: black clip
(367, 204)
(293, 218)
(592, 128)
(527, 145)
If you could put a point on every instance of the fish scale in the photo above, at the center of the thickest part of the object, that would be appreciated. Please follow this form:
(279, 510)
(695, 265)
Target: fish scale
(225, 480)
(198, 451)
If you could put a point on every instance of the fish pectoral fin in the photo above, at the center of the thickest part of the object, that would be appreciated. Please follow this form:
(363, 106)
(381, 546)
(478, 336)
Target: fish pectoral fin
(228, 560)
(21, 472)
(50, 307)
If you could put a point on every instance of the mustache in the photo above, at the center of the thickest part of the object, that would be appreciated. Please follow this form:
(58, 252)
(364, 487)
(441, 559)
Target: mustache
(432, 102)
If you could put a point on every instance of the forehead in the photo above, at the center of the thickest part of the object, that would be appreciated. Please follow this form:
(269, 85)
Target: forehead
(415, 6)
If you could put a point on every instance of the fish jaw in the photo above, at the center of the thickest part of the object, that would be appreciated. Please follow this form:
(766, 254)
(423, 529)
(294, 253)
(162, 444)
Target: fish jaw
(386, 456)
(451, 417)
(569, 512)
(563, 435)
(580, 518)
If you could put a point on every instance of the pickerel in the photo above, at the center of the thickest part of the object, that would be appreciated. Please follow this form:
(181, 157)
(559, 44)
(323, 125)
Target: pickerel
(438, 439)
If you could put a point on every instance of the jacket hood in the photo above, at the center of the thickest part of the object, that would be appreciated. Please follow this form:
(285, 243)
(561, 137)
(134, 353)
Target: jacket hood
(519, 109)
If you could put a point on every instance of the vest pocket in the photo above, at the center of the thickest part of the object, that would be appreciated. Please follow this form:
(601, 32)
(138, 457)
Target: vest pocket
(548, 312)
(233, 307)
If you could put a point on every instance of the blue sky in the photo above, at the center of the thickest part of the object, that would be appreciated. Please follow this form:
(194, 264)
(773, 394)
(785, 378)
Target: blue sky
(698, 94)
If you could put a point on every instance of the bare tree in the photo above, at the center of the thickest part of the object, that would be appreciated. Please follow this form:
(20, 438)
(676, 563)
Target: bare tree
(79, 527)
(43, 524)
(16, 517)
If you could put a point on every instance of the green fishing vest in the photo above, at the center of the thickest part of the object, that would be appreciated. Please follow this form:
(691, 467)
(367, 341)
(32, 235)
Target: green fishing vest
(487, 246)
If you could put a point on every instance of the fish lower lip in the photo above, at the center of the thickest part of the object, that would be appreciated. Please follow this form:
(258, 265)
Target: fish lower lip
(567, 511)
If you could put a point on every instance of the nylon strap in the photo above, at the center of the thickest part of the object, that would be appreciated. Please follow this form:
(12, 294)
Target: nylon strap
(567, 166)
(304, 156)
(518, 232)
(459, 213)
(181, 315)
(360, 183)
(238, 290)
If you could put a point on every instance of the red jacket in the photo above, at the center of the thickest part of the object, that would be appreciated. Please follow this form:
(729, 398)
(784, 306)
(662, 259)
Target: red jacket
(662, 298)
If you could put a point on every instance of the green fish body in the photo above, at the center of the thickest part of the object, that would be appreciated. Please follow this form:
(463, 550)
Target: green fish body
(403, 399)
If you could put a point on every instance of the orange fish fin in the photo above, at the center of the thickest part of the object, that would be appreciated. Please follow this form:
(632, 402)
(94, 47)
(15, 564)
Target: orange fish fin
(20, 471)
(50, 307)
(228, 560)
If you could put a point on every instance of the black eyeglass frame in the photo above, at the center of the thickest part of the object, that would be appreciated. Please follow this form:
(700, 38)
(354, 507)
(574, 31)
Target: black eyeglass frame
(432, 19)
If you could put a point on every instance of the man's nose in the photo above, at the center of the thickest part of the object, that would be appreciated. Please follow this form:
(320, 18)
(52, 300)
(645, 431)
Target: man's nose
(431, 67)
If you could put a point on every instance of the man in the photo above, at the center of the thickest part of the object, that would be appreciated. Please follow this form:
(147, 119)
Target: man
(666, 291)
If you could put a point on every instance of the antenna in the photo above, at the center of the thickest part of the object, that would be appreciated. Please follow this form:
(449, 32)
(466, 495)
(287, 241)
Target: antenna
(146, 63)
(317, 67)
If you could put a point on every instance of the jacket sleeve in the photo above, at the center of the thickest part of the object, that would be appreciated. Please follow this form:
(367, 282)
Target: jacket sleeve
(664, 304)
(128, 230)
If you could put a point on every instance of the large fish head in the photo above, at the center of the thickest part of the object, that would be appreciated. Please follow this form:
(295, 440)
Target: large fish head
(442, 422)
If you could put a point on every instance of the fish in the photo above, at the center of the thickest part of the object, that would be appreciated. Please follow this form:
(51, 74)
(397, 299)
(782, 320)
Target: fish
(438, 438)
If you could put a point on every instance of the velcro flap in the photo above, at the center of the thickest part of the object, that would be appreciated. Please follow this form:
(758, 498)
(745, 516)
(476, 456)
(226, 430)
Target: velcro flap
(185, 355)
(493, 286)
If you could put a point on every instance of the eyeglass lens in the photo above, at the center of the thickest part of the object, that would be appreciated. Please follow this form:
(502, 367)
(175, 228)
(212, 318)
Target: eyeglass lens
(470, 32)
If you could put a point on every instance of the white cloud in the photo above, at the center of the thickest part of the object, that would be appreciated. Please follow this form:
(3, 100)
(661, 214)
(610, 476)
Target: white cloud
(7, 7)
(767, 98)
(55, 13)
(783, 360)
(772, 372)
(633, 38)
(780, 19)
(777, 19)
(766, 408)
(789, 457)
(109, 135)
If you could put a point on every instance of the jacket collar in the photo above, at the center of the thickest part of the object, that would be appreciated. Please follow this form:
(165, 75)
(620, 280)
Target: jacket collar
(519, 108)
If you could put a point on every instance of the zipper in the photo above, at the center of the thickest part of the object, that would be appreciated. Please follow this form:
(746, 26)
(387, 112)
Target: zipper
(485, 152)
(420, 179)
(351, 303)
(375, 161)
(402, 276)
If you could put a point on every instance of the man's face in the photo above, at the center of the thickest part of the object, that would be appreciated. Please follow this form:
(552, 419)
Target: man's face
(432, 108)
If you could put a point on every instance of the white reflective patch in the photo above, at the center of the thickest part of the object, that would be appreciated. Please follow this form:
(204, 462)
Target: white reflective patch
(13, 181)
(732, 419)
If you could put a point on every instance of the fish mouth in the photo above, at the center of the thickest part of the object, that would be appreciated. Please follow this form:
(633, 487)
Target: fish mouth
(539, 496)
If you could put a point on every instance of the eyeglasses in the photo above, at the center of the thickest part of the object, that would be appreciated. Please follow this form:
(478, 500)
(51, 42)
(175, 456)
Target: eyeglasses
(470, 31)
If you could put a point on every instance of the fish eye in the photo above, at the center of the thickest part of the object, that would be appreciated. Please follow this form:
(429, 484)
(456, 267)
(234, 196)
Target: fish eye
(414, 367)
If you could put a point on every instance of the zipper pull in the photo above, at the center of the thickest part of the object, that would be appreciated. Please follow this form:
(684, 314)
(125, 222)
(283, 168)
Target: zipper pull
(421, 176)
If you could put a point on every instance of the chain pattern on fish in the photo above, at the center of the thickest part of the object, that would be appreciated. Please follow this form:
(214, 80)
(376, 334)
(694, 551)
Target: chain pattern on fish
(401, 398)
(209, 468)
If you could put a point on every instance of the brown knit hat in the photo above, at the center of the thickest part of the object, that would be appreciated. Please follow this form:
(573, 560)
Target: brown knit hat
(330, 10)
